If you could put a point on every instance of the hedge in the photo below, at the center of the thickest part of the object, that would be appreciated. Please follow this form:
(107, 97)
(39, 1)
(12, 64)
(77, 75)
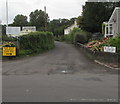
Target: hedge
(36, 42)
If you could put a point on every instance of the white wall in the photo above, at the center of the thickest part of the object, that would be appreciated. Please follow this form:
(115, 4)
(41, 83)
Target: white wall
(69, 29)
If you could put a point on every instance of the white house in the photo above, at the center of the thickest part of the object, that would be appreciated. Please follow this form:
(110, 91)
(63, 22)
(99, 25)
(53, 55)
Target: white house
(112, 27)
(69, 29)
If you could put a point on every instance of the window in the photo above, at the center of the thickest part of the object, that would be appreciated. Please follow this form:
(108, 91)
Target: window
(109, 29)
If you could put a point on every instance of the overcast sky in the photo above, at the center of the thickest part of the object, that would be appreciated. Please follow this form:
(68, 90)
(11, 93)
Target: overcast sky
(55, 8)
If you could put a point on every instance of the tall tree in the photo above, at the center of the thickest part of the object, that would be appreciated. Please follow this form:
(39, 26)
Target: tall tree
(39, 18)
(94, 14)
(20, 20)
(57, 26)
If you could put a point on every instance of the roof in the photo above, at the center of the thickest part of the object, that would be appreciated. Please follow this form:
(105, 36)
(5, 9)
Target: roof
(114, 15)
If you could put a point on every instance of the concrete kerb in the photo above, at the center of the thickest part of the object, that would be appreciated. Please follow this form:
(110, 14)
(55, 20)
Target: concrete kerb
(103, 64)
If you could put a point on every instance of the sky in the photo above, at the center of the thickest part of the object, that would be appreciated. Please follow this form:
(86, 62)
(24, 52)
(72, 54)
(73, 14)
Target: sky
(55, 8)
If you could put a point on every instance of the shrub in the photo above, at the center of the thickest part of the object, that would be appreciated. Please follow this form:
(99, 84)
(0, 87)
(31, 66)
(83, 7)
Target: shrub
(72, 34)
(6, 38)
(97, 36)
(99, 45)
(24, 52)
(80, 38)
(76, 35)
(96, 45)
(37, 41)
(59, 38)
(115, 42)
(67, 38)
(8, 44)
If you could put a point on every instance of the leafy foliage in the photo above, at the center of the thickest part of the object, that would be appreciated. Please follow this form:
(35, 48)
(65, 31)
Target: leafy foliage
(37, 41)
(97, 36)
(39, 18)
(57, 26)
(8, 44)
(20, 20)
(76, 35)
(67, 38)
(99, 45)
(8, 39)
(115, 42)
(94, 14)
(80, 38)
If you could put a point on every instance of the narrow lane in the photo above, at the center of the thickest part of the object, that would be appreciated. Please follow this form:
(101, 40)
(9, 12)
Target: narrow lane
(62, 74)
(64, 57)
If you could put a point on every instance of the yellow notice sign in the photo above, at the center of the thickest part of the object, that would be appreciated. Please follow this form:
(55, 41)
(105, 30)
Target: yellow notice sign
(9, 51)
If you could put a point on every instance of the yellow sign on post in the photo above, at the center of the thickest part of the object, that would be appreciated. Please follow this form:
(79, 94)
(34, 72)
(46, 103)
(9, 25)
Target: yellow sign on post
(9, 51)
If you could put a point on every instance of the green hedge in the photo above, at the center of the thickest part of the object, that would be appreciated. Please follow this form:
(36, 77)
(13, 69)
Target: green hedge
(8, 39)
(36, 42)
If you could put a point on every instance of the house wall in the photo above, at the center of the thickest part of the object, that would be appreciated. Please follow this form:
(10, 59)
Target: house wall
(115, 20)
(69, 29)
(66, 31)
(119, 22)
(115, 29)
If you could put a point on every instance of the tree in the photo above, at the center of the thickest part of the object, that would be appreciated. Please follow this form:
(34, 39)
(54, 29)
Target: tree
(94, 14)
(57, 26)
(39, 18)
(20, 20)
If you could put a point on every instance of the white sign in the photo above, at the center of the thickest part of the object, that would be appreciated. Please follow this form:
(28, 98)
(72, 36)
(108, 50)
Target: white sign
(12, 30)
(110, 49)
(29, 29)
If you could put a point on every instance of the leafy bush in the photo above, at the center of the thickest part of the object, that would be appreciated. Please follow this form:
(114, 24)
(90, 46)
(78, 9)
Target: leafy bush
(97, 36)
(24, 52)
(80, 38)
(67, 38)
(6, 38)
(8, 44)
(37, 41)
(96, 45)
(99, 45)
(72, 37)
(115, 42)
(78, 35)
(73, 34)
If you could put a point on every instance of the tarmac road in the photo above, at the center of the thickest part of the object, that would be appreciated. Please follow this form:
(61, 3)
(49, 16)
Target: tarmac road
(63, 74)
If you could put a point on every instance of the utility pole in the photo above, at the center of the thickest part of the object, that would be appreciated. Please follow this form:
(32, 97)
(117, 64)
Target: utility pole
(45, 16)
(7, 13)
